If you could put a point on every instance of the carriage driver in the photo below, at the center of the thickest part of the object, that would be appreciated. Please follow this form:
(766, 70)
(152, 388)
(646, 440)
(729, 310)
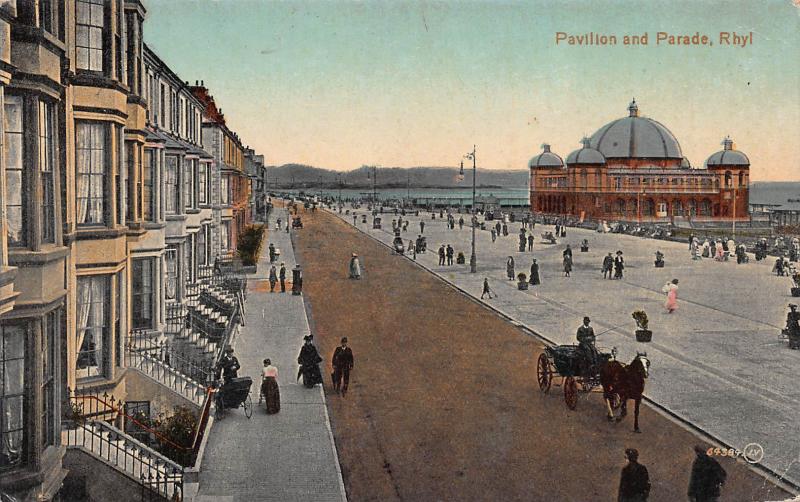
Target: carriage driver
(586, 347)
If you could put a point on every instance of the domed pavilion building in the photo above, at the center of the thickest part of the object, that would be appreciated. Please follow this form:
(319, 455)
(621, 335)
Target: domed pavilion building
(633, 169)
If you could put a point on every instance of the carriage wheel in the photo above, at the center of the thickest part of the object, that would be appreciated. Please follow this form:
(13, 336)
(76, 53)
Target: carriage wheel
(616, 402)
(543, 374)
(248, 407)
(571, 393)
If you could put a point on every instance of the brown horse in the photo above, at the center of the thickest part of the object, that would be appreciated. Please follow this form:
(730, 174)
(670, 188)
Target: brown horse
(627, 382)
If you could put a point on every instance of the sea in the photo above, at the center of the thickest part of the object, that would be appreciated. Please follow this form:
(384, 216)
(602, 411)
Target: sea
(761, 192)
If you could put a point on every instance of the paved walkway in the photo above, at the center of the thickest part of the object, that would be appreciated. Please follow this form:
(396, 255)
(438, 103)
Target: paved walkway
(716, 362)
(285, 457)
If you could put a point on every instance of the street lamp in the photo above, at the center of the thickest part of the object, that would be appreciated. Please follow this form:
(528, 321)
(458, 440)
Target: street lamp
(374, 183)
(473, 260)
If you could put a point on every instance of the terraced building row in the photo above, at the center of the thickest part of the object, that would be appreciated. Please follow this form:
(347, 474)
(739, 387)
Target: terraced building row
(121, 187)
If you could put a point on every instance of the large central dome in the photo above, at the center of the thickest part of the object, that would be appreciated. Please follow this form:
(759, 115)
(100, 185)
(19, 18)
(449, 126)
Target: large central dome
(636, 137)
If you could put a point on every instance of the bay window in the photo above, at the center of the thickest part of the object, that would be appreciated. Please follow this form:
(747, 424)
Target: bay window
(12, 394)
(188, 252)
(201, 246)
(143, 293)
(90, 155)
(15, 190)
(133, 189)
(171, 186)
(171, 283)
(90, 27)
(224, 235)
(47, 163)
(50, 330)
(93, 329)
(223, 190)
(148, 189)
(202, 183)
(190, 165)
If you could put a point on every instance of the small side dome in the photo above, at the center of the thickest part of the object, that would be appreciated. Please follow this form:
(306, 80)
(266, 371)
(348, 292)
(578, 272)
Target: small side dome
(728, 156)
(546, 159)
(685, 164)
(586, 155)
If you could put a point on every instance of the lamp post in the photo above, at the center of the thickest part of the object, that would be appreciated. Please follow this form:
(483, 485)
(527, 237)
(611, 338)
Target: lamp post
(473, 260)
(374, 184)
(735, 196)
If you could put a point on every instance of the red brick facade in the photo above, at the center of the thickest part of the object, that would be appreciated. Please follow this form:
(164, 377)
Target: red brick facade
(649, 182)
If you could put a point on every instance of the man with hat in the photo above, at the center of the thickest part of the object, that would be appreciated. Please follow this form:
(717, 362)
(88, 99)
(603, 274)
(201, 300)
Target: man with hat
(707, 477)
(342, 364)
(586, 346)
(793, 327)
(228, 365)
(634, 484)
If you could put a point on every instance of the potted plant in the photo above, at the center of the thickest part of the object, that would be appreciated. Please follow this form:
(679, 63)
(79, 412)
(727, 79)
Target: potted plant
(642, 333)
(796, 281)
(522, 281)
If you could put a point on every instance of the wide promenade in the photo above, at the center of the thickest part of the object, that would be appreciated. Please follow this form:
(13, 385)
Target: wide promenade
(716, 362)
(444, 404)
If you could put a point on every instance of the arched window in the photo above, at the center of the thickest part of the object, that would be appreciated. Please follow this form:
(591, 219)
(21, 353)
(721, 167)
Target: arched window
(728, 179)
(741, 178)
(649, 207)
(584, 179)
(620, 206)
(705, 207)
(677, 208)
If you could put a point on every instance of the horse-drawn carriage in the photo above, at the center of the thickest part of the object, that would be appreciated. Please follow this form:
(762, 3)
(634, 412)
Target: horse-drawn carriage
(617, 381)
(568, 363)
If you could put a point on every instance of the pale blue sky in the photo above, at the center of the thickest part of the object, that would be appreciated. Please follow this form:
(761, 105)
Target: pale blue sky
(340, 84)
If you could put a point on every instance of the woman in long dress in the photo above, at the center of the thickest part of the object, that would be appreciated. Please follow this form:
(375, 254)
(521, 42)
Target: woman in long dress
(355, 267)
(534, 279)
(269, 387)
(510, 268)
(619, 265)
(671, 289)
(309, 360)
(567, 265)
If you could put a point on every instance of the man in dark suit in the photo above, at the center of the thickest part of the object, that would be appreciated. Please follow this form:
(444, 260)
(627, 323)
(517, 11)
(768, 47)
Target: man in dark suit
(342, 364)
(608, 266)
(634, 484)
(707, 477)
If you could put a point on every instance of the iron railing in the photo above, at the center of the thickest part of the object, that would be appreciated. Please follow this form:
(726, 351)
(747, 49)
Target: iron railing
(160, 360)
(87, 424)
